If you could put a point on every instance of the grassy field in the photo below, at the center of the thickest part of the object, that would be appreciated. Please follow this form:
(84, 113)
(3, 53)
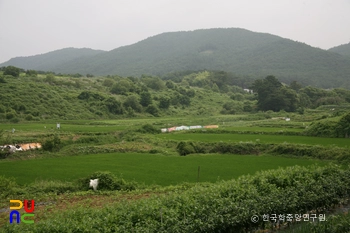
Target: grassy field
(226, 122)
(212, 137)
(260, 129)
(146, 168)
(107, 127)
(65, 127)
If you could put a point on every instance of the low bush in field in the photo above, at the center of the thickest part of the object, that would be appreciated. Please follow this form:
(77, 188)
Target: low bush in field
(88, 139)
(148, 128)
(185, 148)
(335, 224)
(221, 207)
(7, 186)
(326, 128)
(106, 181)
(322, 129)
(50, 186)
(52, 144)
(319, 152)
(224, 131)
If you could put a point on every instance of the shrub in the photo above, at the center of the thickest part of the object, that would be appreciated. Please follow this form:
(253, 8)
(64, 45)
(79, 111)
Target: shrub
(2, 79)
(185, 148)
(145, 98)
(29, 117)
(12, 70)
(49, 186)
(122, 87)
(50, 78)
(10, 115)
(6, 186)
(108, 82)
(132, 102)
(152, 109)
(164, 102)
(328, 128)
(149, 129)
(106, 181)
(52, 144)
(90, 139)
(114, 106)
(15, 120)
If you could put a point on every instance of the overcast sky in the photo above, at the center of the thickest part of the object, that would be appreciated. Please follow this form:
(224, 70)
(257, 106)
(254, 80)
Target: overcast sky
(30, 27)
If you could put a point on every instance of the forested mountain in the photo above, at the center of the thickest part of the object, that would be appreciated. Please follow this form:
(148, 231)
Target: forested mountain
(242, 52)
(342, 49)
(53, 60)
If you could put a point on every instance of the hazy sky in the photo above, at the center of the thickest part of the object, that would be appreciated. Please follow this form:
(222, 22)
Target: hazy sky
(30, 27)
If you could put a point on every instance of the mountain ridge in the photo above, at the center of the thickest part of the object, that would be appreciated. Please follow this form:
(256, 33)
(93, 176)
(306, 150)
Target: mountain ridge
(343, 49)
(235, 50)
(50, 60)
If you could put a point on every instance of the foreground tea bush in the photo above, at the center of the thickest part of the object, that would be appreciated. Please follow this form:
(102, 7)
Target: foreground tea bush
(7, 186)
(222, 207)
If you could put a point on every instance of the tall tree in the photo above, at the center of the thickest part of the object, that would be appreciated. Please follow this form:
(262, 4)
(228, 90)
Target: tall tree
(290, 99)
(269, 94)
(132, 102)
(146, 98)
(114, 106)
(164, 102)
(295, 86)
(12, 70)
(343, 126)
(272, 95)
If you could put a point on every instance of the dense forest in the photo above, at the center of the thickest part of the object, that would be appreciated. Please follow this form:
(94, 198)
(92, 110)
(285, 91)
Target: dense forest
(31, 95)
(52, 60)
(342, 49)
(238, 51)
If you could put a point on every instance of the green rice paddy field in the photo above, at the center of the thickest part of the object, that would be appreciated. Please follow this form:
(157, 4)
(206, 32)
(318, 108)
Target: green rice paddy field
(261, 138)
(146, 168)
(69, 127)
(105, 126)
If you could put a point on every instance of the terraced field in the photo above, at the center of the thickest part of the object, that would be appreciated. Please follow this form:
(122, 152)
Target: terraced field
(147, 168)
(261, 138)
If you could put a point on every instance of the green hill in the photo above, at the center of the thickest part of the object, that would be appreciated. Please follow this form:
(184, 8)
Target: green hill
(342, 49)
(49, 97)
(239, 51)
(52, 60)
(67, 98)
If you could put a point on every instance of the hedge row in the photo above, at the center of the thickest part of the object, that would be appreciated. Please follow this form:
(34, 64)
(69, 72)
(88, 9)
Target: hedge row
(244, 148)
(225, 206)
(224, 131)
(339, 223)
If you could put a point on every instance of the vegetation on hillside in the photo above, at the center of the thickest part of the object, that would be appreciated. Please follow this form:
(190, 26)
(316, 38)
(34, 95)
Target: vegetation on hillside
(239, 51)
(339, 128)
(341, 49)
(33, 96)
(51, 60)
